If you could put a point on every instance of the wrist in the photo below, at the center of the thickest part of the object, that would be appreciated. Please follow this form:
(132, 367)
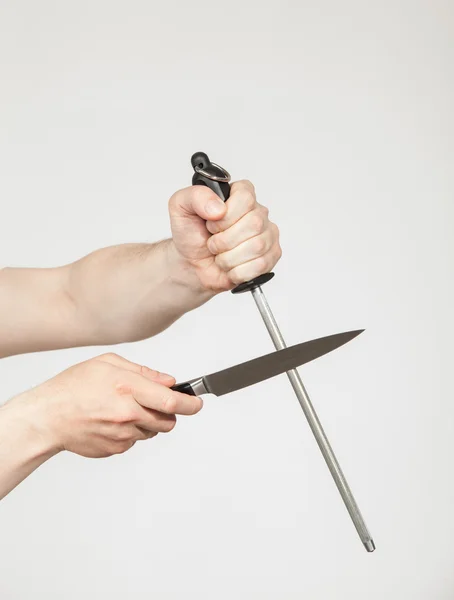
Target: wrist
(25, 443)
(182, 273)
(29, 420)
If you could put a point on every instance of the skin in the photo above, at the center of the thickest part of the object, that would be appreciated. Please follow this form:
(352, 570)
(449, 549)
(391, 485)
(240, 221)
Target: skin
(125, 293)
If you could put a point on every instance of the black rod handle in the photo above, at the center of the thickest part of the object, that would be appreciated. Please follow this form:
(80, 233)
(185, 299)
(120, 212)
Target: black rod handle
(217, 179)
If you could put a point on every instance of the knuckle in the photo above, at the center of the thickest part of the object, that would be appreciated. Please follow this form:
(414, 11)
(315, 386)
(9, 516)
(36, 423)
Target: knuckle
(169, 404)
(109, 356)
(249, 200)
(217, 243)
(119, 417)
(235, 277)
(200, 194)
(213, 227)
(118, 447)
(222, 261)
(260, 244)
(146, 371)
(261, 265)
(175, 198)
(123, 435)
(124, 414)
(248, 187)
(212, 245)
(256, 222)
(124, 446)
(270, 262)
(110, 448)
(246, 183)
(251, 185)
(191, 195)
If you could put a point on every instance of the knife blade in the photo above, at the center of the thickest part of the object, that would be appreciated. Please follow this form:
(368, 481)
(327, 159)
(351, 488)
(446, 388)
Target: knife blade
(264, 367)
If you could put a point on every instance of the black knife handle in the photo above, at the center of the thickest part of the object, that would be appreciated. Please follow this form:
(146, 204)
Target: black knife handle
(211, 175)
(184, 388)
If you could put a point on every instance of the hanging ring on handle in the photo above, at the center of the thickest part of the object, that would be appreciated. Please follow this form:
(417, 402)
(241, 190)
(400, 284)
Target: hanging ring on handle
(225, 178)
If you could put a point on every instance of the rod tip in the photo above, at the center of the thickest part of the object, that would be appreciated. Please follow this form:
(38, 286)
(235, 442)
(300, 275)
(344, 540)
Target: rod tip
(369, 545)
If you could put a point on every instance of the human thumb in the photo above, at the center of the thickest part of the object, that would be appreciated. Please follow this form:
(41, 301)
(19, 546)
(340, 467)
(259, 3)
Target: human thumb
(197, 200)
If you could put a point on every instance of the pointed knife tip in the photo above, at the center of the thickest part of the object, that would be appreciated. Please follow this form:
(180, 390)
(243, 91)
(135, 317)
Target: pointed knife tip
(357, 332)
(350, 335)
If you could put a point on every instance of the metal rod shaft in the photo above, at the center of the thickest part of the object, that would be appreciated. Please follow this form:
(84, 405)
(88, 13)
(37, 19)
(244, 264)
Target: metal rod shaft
(315, 424)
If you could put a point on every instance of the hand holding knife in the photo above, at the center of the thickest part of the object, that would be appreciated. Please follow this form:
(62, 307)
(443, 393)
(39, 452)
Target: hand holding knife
(283, 360)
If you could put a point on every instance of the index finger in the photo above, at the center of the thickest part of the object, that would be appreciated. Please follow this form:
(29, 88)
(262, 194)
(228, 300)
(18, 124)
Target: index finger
(123, 363)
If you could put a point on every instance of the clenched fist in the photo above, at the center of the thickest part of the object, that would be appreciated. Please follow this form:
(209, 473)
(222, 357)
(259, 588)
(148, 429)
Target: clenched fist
(224, 243)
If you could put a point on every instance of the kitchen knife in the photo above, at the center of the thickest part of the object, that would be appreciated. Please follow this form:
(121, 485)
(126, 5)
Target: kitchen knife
(262, 368)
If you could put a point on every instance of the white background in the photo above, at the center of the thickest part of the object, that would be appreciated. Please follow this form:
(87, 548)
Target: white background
(341, 114)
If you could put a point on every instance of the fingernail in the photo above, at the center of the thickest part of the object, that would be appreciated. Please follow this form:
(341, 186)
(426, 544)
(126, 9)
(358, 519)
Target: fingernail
(214, 207)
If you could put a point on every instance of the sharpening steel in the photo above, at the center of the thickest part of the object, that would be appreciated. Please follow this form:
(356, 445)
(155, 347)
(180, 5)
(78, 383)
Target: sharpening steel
(217, 179)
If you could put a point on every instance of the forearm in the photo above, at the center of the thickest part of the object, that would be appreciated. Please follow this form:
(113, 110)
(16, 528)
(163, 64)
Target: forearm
(133, 291)
(118, 294)
(23, 445)
(36, 312)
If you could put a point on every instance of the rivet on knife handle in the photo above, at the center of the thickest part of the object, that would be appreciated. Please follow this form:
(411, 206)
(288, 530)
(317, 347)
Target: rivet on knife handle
(217, 179)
